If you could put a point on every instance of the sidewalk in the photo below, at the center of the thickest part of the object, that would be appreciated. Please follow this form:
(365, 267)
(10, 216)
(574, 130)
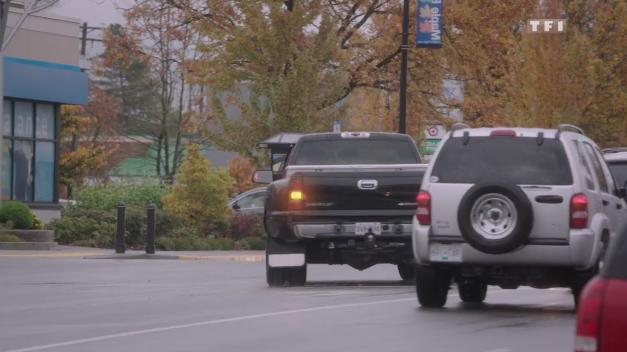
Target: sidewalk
(96, 253)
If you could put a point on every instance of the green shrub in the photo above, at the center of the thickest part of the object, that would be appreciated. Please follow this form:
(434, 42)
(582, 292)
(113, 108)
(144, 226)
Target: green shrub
(5, 237)
(108, 197)
(221, 244)
(184, 239)
(201, 193)
(97, 228)
(37, 223)
(86, 227)
(252, 243)
(135, 227)
(245, 225)
(18, 213)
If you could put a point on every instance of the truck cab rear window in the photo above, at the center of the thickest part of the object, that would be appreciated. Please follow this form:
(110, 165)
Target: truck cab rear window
(518, 161)
(356, 151)
(619, 171)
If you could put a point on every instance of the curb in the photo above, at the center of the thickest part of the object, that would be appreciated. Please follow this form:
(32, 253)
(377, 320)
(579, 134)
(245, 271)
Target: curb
(27, 246)
(234, 258)
(133, 256)
(256, 258)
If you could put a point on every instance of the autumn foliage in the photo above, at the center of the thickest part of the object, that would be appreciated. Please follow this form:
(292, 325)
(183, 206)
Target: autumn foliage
(241, 171)
(81, 156)
(201, 193)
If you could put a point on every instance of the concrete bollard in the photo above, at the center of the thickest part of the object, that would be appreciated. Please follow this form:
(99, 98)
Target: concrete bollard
(151, 228)
(120, 244)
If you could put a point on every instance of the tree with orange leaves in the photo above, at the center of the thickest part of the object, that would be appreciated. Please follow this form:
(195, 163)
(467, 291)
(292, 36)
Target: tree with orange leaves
(81, 154)
(241, 171)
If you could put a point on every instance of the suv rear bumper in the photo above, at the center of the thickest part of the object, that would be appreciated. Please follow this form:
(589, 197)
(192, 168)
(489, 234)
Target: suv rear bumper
(580, 251)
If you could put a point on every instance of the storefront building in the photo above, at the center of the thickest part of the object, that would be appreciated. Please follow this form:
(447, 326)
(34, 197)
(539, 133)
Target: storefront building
(41, 73)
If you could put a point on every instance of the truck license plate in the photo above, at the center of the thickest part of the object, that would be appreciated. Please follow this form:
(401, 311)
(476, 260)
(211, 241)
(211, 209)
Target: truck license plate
(439, 252)
(362, 228)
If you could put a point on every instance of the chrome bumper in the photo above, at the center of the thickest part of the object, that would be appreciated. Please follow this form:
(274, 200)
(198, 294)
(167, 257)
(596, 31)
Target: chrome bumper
(348, 230)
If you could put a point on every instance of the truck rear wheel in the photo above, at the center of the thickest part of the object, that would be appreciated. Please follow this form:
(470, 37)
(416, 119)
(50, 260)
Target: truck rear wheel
(281, 277)
(406, 271)
(432, 285)
(472, 292)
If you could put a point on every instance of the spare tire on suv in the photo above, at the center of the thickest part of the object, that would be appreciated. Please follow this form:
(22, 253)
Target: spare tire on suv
(495, 218)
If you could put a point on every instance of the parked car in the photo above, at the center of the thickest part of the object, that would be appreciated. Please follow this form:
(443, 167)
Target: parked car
(602, 311)
(250, 202)
(342, 198)
(617, 160)
(511, 207)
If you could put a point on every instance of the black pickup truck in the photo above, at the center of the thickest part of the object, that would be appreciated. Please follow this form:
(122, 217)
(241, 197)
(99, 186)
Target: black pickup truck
(342, 198)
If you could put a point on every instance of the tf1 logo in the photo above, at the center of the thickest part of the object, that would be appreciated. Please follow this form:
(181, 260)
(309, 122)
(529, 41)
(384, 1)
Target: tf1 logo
(546, 26)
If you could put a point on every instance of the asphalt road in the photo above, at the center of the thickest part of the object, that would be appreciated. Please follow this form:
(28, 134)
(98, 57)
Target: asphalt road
(72, 304)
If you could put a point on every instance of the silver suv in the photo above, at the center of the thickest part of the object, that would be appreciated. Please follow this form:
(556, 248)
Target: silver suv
(512, 207)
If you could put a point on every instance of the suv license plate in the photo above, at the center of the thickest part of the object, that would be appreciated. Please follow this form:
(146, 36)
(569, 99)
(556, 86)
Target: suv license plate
(439, 252)
(362, 228)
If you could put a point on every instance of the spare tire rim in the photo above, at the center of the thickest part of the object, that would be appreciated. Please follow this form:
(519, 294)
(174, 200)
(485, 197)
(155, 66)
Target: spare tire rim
(493, 216)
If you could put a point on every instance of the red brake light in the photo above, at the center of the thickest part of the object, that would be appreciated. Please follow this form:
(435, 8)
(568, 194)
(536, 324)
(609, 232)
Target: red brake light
(423, 212)
(296, 194)
(589, 316)
(579, 211)
(503, 133)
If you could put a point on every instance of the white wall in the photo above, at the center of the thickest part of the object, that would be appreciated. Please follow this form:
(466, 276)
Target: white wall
(45, 37)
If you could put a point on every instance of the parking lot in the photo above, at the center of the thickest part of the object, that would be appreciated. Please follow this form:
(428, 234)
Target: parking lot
(76, 304)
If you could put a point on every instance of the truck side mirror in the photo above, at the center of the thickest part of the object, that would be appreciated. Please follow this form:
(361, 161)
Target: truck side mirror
(262, 176)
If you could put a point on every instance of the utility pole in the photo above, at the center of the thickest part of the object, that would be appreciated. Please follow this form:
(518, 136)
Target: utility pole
(402, 118)
(85, 29)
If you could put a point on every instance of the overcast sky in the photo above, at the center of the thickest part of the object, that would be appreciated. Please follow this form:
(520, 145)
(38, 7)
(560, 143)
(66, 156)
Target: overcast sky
(94, 12)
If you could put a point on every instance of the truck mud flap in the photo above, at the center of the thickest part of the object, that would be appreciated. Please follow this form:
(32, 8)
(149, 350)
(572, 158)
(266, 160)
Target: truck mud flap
(280, 254)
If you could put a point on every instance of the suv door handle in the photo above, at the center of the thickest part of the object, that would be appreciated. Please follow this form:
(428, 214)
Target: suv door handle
(606, 203)
(550, 199)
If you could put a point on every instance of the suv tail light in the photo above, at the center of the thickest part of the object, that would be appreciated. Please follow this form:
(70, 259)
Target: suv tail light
(589, 316)
(296, 194)
(423, 212)
(579, 211)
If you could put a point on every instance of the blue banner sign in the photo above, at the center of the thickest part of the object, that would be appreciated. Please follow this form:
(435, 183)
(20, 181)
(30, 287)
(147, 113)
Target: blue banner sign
(430, 23)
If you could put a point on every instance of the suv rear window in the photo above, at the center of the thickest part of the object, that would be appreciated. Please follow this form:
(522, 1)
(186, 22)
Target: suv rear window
(356, 151)
(619, 171)
(503, 159)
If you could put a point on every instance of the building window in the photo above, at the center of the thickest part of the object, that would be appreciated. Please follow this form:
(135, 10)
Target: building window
(29, 152)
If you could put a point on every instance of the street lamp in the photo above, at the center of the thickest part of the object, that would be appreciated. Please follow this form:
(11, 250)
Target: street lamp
(402, 117)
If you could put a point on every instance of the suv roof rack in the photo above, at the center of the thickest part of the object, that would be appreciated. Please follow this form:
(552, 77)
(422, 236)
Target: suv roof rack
(570, 128)
(614, 150)
(459, 126)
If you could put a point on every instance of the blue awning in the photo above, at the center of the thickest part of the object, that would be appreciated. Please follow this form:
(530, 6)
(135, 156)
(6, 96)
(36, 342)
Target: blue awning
(45, 81)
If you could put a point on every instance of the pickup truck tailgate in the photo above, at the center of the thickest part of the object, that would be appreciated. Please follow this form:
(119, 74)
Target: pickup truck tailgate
(360, 190)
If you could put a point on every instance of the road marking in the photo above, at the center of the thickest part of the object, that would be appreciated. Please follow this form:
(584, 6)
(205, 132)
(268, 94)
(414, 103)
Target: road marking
(208, 322)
